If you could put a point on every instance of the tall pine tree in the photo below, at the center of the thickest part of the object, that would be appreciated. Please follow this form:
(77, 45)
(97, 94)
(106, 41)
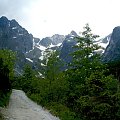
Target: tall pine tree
(85, 58)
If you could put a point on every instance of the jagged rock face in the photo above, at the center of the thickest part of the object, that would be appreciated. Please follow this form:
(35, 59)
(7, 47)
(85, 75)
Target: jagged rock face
(46, 42)
(63, 44)
(14, 37)
(67, 47)
(106, 39)
(36, 40)
(112, 52)
(54, 40)
(34, 54)
(30, 50)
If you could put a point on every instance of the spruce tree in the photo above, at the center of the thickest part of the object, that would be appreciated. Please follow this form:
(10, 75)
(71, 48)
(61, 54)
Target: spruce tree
(85, 58)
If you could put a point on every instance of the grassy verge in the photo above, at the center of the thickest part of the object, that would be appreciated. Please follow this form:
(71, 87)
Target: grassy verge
(1, 118)
(4, 100)
(56, 108)
(62, 111)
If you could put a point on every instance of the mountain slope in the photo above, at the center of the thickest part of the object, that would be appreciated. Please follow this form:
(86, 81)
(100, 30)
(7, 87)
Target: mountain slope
(14, 37)
(31, 50)
(112, 52)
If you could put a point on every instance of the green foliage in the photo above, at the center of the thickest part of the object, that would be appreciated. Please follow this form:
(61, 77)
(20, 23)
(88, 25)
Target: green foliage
(114, 69)
(7, 59)
(85, 60)
(4, 98)
(49, 92)
(1, 117)
(52, 64)
(90, 89)
(97, 101)
(87, 90)
(24, 82)
(85, 55)
(62, 111)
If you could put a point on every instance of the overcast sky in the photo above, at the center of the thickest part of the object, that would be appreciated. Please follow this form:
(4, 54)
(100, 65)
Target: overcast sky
(47, 17)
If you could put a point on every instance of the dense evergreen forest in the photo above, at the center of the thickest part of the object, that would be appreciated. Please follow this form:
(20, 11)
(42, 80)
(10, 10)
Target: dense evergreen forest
(88, 89)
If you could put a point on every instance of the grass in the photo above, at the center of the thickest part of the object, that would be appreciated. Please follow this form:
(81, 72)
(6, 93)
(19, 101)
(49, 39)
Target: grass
(1, 118)
(62, 111)
(56, 108)
(4, 100)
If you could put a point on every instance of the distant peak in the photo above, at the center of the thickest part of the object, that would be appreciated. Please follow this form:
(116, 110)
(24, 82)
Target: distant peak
(73, 33)
(4, 21)
(4, 18)
(116, 28)
(116, 32)
(14, 22)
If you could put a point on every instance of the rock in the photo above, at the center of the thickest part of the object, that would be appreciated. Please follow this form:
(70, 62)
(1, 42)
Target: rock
(112, 52)
(54, 40)
(15, 38)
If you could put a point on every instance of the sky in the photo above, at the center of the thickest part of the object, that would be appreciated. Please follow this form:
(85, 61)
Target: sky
(44, 18)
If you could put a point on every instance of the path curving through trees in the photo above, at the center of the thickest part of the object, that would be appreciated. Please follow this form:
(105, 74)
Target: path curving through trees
(22, 108)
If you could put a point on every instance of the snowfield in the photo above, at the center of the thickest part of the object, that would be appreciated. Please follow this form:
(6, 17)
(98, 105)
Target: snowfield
(22, 108)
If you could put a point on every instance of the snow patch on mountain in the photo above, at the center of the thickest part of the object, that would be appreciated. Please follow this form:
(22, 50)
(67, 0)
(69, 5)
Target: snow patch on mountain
(41, 57)
(43, 64)
(14, 37)
(20, 34)
(100, 43)
(59, 44)
(14, 28)
(29, 60)
(104, 42)
(41, 47)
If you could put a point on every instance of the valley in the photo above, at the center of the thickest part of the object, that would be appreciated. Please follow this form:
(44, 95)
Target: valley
(75, 77)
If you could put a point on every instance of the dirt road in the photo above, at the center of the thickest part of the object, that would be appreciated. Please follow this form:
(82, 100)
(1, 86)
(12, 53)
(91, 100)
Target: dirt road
(22, 108)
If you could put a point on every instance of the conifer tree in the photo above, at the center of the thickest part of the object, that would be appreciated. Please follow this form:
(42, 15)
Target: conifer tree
(85, 57)
(52, 64)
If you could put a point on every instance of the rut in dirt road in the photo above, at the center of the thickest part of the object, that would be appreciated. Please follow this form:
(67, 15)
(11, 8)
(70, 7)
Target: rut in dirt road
(22, 108)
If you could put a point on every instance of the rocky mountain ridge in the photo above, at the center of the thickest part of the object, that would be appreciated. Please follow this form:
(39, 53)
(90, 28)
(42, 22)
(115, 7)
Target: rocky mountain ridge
(112, 52)
(14, 37)
(31, 50)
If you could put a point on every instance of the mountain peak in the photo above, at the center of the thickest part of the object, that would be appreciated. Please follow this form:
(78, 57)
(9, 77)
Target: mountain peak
(116, 33)
(112, 51)
(4, 18)
(117, 27)
(73, 33)
(4, 21)
(14, 23)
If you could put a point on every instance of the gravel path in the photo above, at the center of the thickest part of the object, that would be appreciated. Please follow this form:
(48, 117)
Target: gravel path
(22, 108)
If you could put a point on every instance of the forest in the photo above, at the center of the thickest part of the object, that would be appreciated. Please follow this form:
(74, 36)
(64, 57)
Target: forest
(88, 89)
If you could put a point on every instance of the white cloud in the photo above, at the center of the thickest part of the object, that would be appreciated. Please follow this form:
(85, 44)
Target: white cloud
(47, 17)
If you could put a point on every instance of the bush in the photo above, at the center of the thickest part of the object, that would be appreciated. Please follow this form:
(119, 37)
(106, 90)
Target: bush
(1, 118)
(4, 98)
(62, 111)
